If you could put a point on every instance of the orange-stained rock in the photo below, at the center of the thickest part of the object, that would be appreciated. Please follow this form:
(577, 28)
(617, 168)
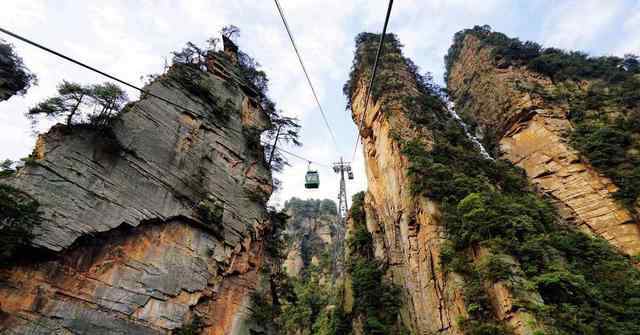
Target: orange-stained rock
(533, 134)
(145, 280)
(150, 226)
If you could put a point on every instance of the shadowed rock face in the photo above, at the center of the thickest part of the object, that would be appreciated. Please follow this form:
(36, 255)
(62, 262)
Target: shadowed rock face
(406, 229)
(124, 247)
(314, 232)
(532, 132)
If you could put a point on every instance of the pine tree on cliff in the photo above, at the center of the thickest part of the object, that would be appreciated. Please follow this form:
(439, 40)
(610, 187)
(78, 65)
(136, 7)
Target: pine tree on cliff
(105, 100)
(15, 78)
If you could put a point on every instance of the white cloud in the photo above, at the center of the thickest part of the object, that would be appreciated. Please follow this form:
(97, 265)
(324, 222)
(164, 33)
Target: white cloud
(577, 24)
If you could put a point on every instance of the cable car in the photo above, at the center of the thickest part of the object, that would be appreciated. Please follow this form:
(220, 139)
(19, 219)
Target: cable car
(311, 179)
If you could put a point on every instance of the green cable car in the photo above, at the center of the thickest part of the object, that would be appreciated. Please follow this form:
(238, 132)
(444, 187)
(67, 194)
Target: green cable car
(311, 179)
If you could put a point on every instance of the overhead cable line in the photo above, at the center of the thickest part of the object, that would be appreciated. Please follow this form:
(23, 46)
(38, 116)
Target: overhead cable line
(303, 158)
(24, 39)
(126, 83)
(373, 77)
(304, 69)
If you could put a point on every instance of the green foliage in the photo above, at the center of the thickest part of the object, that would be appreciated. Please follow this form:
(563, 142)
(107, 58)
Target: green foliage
(6, 168)
(473, 327)
(390, 80)
(309, 209)
(276, 238)
(375, 299)
(494, 268)
(333, 322)
(286, 130)
(189, 65)
(95, 105)
(19, 214)
(610, 141)
(310, 299)
(611, 148)
(557, 64)
(199, 86)
(194, 327)
(587, 286)
(210, 212)
(15, 77)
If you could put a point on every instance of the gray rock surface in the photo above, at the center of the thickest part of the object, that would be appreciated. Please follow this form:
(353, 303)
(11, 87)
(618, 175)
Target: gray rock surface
(127, 249)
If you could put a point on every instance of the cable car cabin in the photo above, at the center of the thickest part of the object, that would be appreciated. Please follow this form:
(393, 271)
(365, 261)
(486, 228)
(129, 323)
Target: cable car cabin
(312, 179)
(350, 175)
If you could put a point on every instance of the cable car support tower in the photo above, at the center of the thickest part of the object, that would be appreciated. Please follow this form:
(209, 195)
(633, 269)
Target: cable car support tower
(341, 168)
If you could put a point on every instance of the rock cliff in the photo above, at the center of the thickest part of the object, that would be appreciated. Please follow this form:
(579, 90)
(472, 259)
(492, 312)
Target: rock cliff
(153, 225)
(529, 116)
(314, 235)
(472, 247)
(406, 231)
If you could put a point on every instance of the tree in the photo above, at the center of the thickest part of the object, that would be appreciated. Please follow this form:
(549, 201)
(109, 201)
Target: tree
(231, 32)
(192, 55)
(631, 63)
(109, 99)
(283, 130)
(105, 100)
(6, 168)
(15, 78)
(68, 102)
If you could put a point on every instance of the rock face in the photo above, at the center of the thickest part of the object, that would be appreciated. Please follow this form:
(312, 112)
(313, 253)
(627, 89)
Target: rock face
(509, 103)
(407, 227)
(125, 246)
(314, 235)
(406, 230)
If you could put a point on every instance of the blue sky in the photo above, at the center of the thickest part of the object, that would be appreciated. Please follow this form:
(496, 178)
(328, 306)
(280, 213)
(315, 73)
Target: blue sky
(131, 38)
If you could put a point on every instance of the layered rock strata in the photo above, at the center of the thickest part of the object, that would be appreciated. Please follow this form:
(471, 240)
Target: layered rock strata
(508, 103)
(126, 245)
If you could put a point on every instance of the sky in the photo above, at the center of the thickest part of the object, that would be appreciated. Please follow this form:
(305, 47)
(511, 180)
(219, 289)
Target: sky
(131, 39)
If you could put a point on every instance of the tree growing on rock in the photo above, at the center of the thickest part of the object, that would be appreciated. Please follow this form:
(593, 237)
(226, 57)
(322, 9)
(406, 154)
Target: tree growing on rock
(283, 130)
(82, 104)
(15, 78)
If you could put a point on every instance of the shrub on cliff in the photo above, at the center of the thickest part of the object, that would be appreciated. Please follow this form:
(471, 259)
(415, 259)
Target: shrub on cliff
(556, 63)
(610, 148)
(586, 285)
(95, 105)
(15, 78)
(188, 67)
(19, 214)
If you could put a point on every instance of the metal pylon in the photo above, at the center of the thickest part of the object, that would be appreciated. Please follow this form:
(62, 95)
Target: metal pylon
(340, 168)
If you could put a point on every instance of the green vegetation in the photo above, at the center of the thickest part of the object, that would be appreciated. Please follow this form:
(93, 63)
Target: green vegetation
(15, 77)
(308, 304)
(194, 327)
(192, 61)
(311, 208)
(389, 83)
(95, 105)
(586, 286)
(210, 212)
(614, 149)
(557, 64)
(376, 301)
(605, 112)
(6, 168)
(488, 203)
(19, 214)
